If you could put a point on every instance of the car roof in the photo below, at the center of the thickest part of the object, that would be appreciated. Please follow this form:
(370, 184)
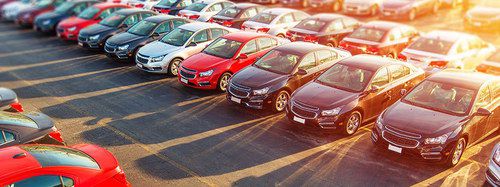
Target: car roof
(383, 25)
(161, 18)
(12, 166)
(369, 62)
(128, 11)
(447, 35)
(326, 16)
(463, 78)
(244, 36)
(301, 48)
(279, 11)
(245, 5)
(108, 5)
(196, 26)
(16, 119)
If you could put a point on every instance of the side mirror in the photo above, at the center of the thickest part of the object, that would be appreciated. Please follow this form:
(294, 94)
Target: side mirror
(374, 89)
(192, 44)
(483, 112)
(403, 92)
(242, 56)
(154, 35)
(301, 72)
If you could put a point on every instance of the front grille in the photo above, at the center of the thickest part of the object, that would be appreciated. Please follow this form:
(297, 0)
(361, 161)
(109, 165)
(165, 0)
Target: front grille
(142, 59)
(109, 48)
(402, 133)
(399, 140)
(81, 38)
(304, 110)
(187, 75)
(239, 90)
(189, 70)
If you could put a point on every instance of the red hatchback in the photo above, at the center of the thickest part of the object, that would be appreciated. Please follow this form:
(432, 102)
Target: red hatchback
(212, 68)
(44, 165)
(69, 29)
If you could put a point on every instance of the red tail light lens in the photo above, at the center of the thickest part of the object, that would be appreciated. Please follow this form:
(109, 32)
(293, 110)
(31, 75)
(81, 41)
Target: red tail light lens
(178, 14)
(342, 44)
(17, 107)
(263, 30)
(372, 50)
(311, 39)
(288, 34)
(211, 20)
(165, 11)
(56, 135)
(194, 17)
(402, 57)
(120, 176)
(227, 23)
(439, 64)
(139, 5)
(243, 27)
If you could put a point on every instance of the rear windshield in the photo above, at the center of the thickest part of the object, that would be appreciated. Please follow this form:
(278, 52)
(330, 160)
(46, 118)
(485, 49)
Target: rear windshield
(113, 20)
(197, 7)
(65, 7)
(311, 25)
(432, 45)
(263, 18)
(59, 156)
(230, 12)
(89, 13)
(16, 119)
(374, 35)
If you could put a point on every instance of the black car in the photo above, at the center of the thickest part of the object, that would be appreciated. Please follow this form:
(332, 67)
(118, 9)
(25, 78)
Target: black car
(95, 36)
(123, 46)
(274, 77)
(235, 15)
(9, 101)
(326, 29)
(409, 10)
(171, 7)
(47, 22)
(18, 128)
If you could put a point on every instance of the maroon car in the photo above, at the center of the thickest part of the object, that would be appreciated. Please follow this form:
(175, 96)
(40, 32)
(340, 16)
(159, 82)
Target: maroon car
(353, 91)
(442, 116)
(26, 17)
(380, 38)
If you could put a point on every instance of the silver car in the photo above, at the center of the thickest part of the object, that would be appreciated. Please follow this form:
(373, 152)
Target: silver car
(274, 21)
(204, 10)
(493, 172)
(362, 7)
(12, 9)
(165, 55)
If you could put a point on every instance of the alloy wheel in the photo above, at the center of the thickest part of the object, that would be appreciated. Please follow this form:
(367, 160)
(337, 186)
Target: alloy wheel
(281, 101)
(174, 67)
(457, 153)
(353, 123)
(224, 81)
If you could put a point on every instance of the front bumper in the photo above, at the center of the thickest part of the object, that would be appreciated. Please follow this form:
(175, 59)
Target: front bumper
(191, 79)
(39, 26)
(84, 42)
(243, 96)
(356, 10)
(394, 14)
(493, 174)
(67, 35)
(114, 53)
(144, 63)
(317, 122)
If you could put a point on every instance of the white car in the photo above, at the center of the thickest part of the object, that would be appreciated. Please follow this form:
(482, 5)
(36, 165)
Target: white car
(362, 7)
(10, 10)
(274, 21)
(146, 4)
(165, 55)
(204, 10)
(447, 49)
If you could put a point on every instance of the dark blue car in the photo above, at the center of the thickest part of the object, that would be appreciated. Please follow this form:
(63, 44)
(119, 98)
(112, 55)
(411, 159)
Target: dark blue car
(47, 22)
(171, 7)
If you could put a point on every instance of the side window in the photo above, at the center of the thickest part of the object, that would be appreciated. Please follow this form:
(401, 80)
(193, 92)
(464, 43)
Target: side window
(350, 23)
(266, 43)
(249, 48)
(67, 182)
(395, 35)
(105, 13)
(215, 8)
(216, 32)
(324, 56)
(146, 15)
(79, 8)
(483, 97)
(308, 62)
(226, 4)
(178, 23)
(381, 78)
(163, 28)
(58, 2)
(286, 19)
(299, 16)
(185, 3)
(6, 137)
(398, 71)
(335, 26)
(495, 90)
(46, 180)
(249, 13)
(406, 32)
(131, 20)
(202, 36)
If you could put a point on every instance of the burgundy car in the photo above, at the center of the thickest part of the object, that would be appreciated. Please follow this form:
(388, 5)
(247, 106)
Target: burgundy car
(235, 15)
(353, 91)
(380, 38)
(27, 17)
(442, 116)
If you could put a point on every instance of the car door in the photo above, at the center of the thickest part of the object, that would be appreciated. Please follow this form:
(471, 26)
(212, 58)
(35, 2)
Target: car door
(377, 101)
(477, 124)
(307, 63)
(200, 38)
(161, 30)
(251, 50)
(401, 79)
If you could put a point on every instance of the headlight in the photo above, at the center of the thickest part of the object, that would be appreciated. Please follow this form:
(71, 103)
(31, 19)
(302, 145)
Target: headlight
(379, 122)
(331, 112)
(123, 47)
(157, 59)
(206, 73)
(46, 22)
(496, 156)
(437, 140)
(94, 38)
(261, 91)
(71, 29)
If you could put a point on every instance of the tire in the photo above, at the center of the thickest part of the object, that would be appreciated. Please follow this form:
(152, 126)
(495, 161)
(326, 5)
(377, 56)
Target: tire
(392, 55)
(336, 6)
(223, 82)
(352, 123)
(412, 15)
(134, 54)
(280, 101)
(280, 36)
(456, 153)
(435, 8)
(173, 66)
(374, 10)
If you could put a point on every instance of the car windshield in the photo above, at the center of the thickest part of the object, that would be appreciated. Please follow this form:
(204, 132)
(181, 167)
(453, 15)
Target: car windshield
(374, 35)
(441, 97)
(346, 78)
(59, 156)
(88, 13)
(43, 3)
(178, 37)
(16, 119)
(197, 7)
(311, 25)
(142, 28)
(278, 62)
(230, 12)
(495, 57)
(167, 2)
(65, 7)
(263, 18)
(431, 45)
(223, 48)
(113, 20)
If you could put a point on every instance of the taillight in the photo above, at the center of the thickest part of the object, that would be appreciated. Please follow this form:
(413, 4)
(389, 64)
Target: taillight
(56, 135)
(120, 176)
(139, 5)
(211, 20)
(263, 30)
(243, 27)
(372, 50)
(342, 44)
(440, 64)
(288, 34)
(194, 17)
(227, 23)
(311, 38)
(164, 11)
(402, 57)
(178, 14)
(17, 107)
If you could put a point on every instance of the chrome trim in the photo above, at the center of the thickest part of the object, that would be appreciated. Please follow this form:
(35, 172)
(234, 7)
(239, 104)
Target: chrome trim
(402, 133)
(294, 103)
(410, 147)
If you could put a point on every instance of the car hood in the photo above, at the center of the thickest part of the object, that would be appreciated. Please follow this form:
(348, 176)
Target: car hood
(394, 4)
(73, 21)
(158, 48)
(124, 38)
(95, 29)
(419, 120)
(481, 12)
(322, 96)
(43, 121)
(7, 96)
(203, 62)
(257, 78)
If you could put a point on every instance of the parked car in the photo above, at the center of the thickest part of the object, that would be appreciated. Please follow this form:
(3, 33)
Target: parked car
(325, 29)
(145, 4)
(22, 128)
(9, 100)
(380, 38)
(4, 2)
(124, 46)
(409, 10)
(12, 9)
(447, 49)
(493, 171)
(95, 36)
(69, 28)
(491, 65)
(46, 165)
(271, 80)
(295, 3)
(213, 67)
(274, 21)
(204, 10)
(484, 17)
(235, 15)
(165, 55)
(452, 3)
(362, 7)
(27, 16)
(331, 5)
(441, 117)
(171, 7)
(352, 92)
(48, 21)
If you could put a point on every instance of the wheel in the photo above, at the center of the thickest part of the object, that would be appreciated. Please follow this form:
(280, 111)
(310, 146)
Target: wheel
(280, 101)
(333, 43)
(173, 66)
(352, 123)
(412, 14)
(392, 55)
(435, 8)
(374, 10)
(336, 6)
(281, 35)
(456, 153)
(223, 82)
(134, 54)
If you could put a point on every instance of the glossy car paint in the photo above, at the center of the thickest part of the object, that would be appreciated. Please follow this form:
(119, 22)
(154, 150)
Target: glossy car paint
(277, 26)
(164, 7)
(12, 9)
(362, 7)
(491, 65)
(27, 17)
(212, 7)
(9, 100)
(47, 22)
(409, 10)
(248, 10)
(4, 2)
(493, 171)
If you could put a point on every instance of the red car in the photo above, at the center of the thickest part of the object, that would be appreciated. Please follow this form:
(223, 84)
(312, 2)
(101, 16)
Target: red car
(46, 165)
(212, 68)
(26, 17)
(68, 29)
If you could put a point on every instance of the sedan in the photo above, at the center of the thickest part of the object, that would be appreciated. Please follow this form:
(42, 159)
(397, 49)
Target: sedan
(144, 4)
(26, 17)
(442, 116)
(9, 100)
(274, 21)
(493, 171)
(46, 165)
(12, 9)
(353, 91)
(408, 9)
(271, 80)
(491, 65)
(332, 5)
(171, 7)
(213, 67)
(484, 17)
(22, 128)
(235, 15)
(204, 10)
(362, 7)
(47, 22)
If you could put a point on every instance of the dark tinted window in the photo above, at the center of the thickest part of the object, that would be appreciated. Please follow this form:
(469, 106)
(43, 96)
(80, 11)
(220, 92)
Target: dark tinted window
(484, 97)
(287, 18)
(59, 156)
(197, 7)
(216, 33)
(131, 20)
(6, 137)
(215, 8)
(202, 36)
(325, 56)
(398, 71)
(266, 43)
(163, 28)
(308, 62)
(44, 181)
(299, 16)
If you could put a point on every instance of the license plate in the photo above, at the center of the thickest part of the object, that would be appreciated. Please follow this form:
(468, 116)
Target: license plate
(235, 99)
(299, 120)
(80, 44)
(395, 149)
(185, 81)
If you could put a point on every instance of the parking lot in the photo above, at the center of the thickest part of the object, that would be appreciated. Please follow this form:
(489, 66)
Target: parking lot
(163, 133)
